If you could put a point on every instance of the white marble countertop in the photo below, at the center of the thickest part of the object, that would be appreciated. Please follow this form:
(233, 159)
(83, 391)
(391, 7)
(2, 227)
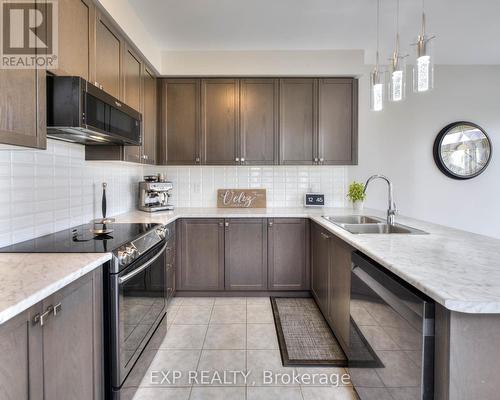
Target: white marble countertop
(26, 279)
(458, 269)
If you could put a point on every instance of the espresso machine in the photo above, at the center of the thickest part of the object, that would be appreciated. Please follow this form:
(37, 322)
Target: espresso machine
(154, 194)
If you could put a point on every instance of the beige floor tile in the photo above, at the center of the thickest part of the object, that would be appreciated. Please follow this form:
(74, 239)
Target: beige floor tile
(218, 361)
(328, 393)
(158, 393)
(192, 315)
(226, 337)
(273, 393)
(171, 313)
(217, 393)
(184, 337)
(231, 314)
(175, 301)
(258, 301)
(260, 314)
(262, 337)
(198, 301)
(259, 361)
(229, 301)
(166, 363)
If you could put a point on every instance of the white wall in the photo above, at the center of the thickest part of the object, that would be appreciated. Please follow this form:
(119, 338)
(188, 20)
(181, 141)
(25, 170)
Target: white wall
(263, 63)
(398, 142)
(44, 191)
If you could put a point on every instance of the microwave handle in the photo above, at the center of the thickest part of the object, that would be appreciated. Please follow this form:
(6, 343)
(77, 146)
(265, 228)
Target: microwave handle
(136, 271)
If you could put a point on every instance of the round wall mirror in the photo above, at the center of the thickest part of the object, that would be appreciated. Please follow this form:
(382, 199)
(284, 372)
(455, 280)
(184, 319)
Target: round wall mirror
(462, 150)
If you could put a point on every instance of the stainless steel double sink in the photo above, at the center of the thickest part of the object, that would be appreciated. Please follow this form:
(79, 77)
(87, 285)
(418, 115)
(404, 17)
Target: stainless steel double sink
(362, 224)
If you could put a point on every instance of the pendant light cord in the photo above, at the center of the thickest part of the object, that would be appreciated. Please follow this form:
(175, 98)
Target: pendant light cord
(378, 32)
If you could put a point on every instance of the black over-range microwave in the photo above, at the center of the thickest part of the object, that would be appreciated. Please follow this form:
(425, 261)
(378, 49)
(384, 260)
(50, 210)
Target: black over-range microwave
(80, 112)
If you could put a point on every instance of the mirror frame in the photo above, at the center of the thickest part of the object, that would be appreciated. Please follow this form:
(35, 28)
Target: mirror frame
(437, 153)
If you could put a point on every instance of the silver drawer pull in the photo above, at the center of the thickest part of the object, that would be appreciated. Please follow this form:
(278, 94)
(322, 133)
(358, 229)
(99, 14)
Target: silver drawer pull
(325, 236)
(42, 318)
(57, 309)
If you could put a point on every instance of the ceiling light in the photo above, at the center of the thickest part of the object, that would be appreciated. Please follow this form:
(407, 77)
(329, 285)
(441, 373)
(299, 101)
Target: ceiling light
(397, 72)
(376, 76)
(423, 70)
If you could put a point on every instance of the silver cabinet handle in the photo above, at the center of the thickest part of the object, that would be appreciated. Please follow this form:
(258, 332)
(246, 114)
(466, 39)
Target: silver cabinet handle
(221, 224)
(324, 235)
(270, 224)
(226, 224)
(315, 159)
(130, 275)
(41, 318)
(237, 159)
(242, 159)
(57, 309)
(197, 159)
(321, 159)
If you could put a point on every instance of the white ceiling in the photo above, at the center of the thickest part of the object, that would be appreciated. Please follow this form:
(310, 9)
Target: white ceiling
(468, 31)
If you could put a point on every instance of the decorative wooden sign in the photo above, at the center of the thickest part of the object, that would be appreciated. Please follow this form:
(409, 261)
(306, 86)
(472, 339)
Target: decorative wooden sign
(241, 198)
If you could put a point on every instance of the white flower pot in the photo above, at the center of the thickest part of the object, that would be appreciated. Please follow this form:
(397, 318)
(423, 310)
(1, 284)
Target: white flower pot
(357, 206)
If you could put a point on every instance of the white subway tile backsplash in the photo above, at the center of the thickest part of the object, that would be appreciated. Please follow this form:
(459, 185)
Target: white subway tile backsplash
(44, 191)
(286, 185)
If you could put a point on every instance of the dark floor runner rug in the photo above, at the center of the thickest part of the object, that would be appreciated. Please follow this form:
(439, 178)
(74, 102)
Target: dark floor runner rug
(304, 337)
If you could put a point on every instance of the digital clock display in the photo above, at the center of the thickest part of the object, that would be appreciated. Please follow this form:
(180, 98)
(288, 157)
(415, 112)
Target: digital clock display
(314, 200)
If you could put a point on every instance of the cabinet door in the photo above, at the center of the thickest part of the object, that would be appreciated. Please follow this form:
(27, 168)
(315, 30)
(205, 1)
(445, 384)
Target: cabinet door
(23, 108)
(220, 121)
(259, 121)
(68, 343)
(297, 121)
(340, 289)
(201, 254)
(132, 96)
(337, 121)
(21, 354)
(149, 118)
(180, 138)
(288, 247)
(109, 49)
(75, 24)
(320, 252)
(246, 254)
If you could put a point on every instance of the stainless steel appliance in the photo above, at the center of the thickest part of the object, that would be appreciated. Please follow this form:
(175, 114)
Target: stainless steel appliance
(137, 283)
(391, 346)
(155, 196)
(80, 112)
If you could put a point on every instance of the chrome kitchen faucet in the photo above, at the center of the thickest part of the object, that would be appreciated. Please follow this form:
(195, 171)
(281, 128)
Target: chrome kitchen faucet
(391, 210)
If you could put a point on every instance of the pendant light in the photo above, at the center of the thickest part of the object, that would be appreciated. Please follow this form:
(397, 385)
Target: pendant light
(376, 76)
(397, 71)
(423, 70)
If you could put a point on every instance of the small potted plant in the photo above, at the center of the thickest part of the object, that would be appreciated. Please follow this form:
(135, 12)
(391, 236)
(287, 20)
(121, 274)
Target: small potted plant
(356, 194)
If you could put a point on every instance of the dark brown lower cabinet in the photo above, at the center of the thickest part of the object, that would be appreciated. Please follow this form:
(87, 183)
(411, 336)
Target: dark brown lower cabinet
(246, 254)
(340, 285)
(288, 254)
(320, 266)
(201, 254)
(61, 358)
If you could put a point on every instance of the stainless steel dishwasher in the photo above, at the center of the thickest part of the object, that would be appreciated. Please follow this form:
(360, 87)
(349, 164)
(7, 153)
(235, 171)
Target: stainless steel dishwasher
(391, 343)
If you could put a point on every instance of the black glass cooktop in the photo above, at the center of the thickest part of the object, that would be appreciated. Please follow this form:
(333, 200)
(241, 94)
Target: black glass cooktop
(81, 240)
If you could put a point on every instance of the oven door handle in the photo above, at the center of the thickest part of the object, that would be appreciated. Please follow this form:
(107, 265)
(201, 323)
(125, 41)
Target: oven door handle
(130, 275)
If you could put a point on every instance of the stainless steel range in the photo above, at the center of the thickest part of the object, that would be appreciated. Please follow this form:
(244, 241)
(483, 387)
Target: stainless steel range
(136, 285)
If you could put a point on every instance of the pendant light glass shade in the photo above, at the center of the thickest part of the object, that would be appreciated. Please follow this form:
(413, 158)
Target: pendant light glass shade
(377, 84)
(377, 89)
(423, 70)
(397, 78)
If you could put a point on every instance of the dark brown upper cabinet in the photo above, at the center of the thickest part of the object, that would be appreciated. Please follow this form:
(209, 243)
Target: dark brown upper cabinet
(149, 118)
(180, 137)
(337, 121)
(132, 95)
(219, 121)
(298, 122)
(288, 254)
(259, 121)
(76, 24)
(245, 254)
(109, 52)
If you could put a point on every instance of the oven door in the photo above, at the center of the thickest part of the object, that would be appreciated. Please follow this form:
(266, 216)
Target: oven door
(138, 304)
